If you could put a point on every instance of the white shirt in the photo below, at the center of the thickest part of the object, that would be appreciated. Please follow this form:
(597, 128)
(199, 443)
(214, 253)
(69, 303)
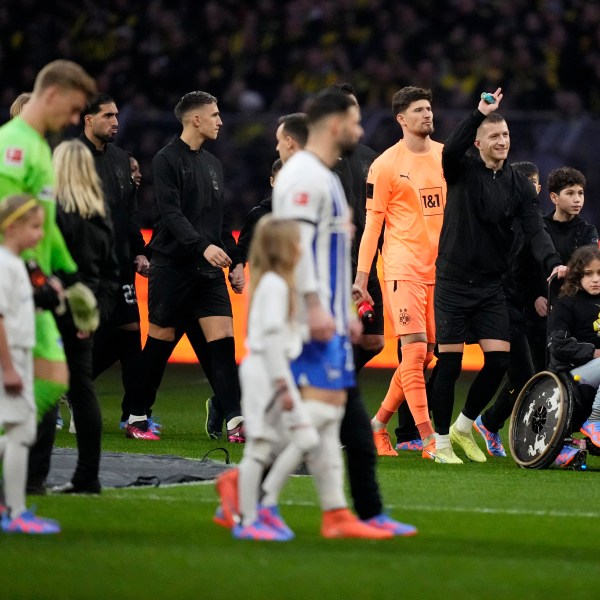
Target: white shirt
(308, 191)
(269, 312)
(16, 301)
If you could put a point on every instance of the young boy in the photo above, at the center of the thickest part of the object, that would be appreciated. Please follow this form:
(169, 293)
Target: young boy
(568, 232)
(21, 224)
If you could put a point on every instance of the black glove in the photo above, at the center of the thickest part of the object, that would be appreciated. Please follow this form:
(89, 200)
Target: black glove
(44, 295)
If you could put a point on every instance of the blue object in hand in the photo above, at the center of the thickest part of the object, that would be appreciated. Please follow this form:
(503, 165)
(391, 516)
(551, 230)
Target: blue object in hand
(488, 98)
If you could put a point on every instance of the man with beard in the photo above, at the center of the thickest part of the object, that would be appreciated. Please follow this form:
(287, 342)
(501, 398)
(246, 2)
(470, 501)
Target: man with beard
(406, 190)
(118, 339)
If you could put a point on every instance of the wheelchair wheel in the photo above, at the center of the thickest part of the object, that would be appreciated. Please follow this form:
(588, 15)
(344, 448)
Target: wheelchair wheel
(541, 419)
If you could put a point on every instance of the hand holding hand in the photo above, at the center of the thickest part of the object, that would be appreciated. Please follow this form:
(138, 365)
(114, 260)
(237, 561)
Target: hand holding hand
(237, 279)
(142, 265)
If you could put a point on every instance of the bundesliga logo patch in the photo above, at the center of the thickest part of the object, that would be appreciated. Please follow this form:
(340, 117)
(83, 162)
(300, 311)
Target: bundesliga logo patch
(404, 317)
(301, 199)
(14, 156)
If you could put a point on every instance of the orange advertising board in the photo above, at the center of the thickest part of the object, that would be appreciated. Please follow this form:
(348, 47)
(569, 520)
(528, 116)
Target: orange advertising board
(184, 354)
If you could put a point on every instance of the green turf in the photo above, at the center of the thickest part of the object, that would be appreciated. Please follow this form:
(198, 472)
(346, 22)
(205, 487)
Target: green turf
(490, 530)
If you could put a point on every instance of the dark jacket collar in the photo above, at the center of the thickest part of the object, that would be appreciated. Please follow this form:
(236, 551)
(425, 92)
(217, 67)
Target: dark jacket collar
(91, 145)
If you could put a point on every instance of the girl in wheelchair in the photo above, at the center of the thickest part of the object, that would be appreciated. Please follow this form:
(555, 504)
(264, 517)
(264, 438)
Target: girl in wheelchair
(574, 338)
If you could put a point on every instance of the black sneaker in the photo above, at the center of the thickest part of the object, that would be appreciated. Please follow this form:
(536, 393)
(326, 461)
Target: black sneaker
(71, 488)
(214, 421)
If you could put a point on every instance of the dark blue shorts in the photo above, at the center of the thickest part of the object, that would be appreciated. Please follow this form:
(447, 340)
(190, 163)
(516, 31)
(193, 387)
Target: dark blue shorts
(326, 365)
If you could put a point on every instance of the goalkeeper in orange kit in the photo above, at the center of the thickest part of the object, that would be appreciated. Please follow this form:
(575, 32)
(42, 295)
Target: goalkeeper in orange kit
(406, 190)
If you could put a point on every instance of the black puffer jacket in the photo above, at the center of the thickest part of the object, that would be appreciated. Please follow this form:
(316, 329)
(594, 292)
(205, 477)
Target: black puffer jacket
(574, 326)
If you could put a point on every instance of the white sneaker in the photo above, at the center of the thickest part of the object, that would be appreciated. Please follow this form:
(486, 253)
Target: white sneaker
(468, 444)
(446, 456)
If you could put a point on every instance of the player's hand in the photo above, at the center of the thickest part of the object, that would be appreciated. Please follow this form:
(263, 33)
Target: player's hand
(486, 108)
(320, 323)
(359, 289)
(57, 285)
(559, 271)
(13, 384)
(541, 306)
(142, 265)
(217, 257)
(355, 328)
(237, 279)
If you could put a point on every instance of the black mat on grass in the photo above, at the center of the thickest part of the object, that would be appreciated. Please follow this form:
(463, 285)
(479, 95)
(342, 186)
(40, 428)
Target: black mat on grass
(123, 469)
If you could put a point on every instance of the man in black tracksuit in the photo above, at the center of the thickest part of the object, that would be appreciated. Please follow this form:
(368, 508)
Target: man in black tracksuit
(191, 245)
(118, 338)
(485, 195)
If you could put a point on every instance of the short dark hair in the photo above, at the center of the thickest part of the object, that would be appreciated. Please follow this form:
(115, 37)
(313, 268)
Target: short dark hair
(406, 96)
(295, 125)
(344, 87)
(326, 103)
(93, 106)
(528, 169)
(190, 101)
(564, 177)
(276, 166)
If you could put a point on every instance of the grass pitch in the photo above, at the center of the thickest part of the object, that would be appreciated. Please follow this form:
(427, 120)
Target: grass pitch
(491, 530)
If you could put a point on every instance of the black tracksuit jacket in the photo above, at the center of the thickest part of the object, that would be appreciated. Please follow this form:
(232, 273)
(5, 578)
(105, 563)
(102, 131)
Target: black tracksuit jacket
(114, 171)
(482, 205)
(190, 209)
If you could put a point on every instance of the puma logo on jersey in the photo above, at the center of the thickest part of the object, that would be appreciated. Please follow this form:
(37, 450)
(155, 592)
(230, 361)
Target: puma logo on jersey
(407, 176)
(14, 156)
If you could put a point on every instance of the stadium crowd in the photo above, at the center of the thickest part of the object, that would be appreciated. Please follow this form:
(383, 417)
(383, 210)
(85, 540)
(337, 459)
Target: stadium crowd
(268, 57)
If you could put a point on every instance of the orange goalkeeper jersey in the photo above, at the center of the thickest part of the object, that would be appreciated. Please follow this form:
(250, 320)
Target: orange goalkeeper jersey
(407, 191)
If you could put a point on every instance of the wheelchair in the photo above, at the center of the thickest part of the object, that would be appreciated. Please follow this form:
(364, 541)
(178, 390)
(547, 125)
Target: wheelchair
(550, 406)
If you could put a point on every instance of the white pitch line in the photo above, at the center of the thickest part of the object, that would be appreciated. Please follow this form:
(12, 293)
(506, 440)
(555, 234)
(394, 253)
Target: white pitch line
(561, 514)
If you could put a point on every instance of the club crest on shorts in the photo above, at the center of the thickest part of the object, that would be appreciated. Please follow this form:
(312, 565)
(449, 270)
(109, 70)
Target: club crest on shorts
(403, 317)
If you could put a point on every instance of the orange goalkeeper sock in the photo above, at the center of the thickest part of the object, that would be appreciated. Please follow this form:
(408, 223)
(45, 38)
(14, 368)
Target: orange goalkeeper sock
(413, 382)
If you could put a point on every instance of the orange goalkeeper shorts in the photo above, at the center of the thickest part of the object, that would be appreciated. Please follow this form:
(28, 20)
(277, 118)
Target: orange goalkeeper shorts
(409, 305)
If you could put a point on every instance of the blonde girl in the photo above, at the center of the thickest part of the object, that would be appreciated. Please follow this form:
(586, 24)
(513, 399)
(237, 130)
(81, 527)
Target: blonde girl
(271, 403)
(85, 224)
(21, 227)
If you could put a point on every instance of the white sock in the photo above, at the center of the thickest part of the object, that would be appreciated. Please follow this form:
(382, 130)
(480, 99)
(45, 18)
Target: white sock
(442, 442)
(285, 464)
(233, 423)
(326, 464)
(137, 418)
(256, 458)
(377, 425)
(16, 454)
(463, 424)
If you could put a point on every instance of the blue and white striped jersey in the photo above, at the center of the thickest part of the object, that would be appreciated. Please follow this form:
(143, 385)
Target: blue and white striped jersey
(308, 191)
